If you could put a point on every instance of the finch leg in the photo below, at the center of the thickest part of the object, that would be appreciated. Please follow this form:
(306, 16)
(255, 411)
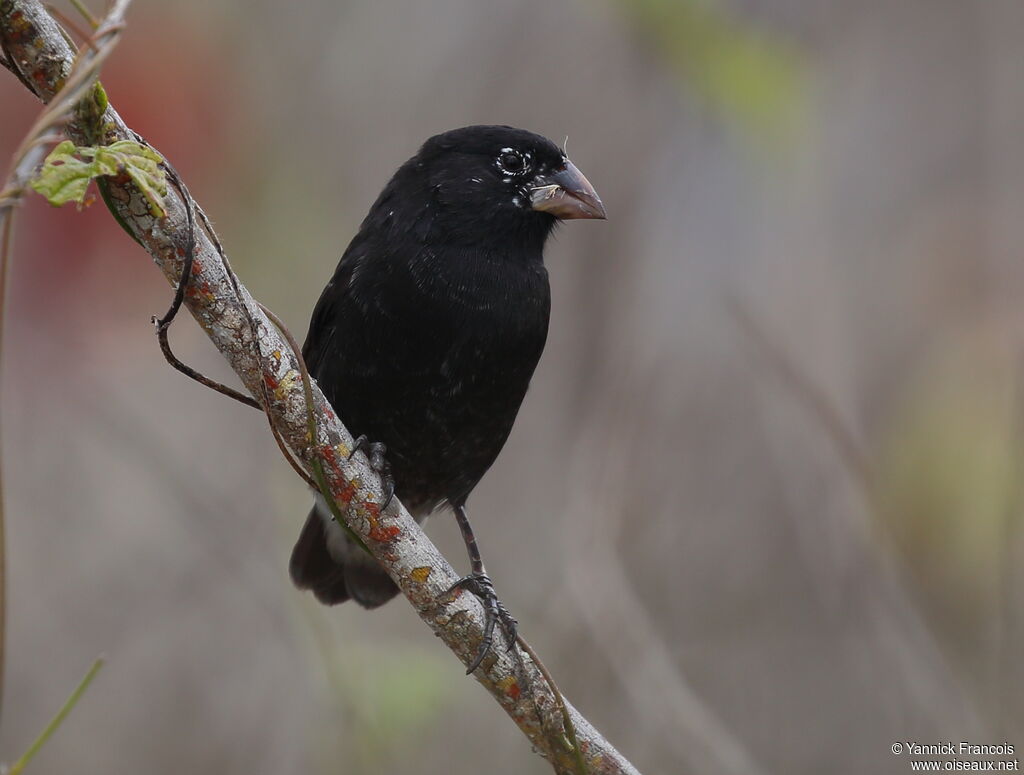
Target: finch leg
(478, 583)
(375, 452)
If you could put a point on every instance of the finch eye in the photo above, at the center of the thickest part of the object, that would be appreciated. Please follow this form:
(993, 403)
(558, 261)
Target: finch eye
(511, 162)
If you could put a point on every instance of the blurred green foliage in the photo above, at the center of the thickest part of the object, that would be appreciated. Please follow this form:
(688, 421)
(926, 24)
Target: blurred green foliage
(383, 697)
(950, 477)
(756, 79)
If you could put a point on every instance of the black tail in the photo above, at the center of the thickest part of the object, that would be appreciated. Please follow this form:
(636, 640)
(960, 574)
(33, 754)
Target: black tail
(340, 571)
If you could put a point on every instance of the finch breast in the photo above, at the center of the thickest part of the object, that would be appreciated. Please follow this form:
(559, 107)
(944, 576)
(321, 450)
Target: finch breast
(445, 397)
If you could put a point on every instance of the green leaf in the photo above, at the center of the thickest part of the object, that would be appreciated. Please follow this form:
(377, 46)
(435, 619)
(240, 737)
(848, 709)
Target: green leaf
(66, 173)
(63, 178)
(142, 164)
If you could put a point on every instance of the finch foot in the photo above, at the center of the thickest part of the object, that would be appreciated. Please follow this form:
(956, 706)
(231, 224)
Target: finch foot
(479, 584)
(375, 452)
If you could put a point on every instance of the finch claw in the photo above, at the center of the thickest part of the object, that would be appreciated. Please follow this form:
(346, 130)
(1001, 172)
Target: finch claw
(375, 452)
(389, 490)
(481, 586)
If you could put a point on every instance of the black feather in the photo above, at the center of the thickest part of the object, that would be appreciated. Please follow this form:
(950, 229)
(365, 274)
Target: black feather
(428, 333)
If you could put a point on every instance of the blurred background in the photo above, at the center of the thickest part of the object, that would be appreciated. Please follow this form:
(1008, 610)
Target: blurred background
(761, 509)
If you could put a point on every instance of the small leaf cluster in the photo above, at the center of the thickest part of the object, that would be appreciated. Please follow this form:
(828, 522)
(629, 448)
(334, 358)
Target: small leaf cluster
(66, 173)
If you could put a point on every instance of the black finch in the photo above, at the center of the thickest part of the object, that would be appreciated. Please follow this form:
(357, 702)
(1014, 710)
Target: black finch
(425, 339)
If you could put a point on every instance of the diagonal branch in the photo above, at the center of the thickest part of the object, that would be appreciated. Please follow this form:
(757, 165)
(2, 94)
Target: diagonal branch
(34, 44)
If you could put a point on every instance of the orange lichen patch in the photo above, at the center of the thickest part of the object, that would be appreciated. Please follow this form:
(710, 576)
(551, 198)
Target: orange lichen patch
(378, 532)
(333, 455)
(21, 29)
(343, 491)
(330, 456)
(510, 686)
(201, 292)
(383, 535)
(455, 594)
(421, 574)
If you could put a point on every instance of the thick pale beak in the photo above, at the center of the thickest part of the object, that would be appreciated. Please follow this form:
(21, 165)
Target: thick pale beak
(566, 194)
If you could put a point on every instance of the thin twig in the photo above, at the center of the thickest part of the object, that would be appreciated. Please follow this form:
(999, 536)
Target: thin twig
(81, 8)
(318, 481)
(311, 481)
(6, 229)
(67, 22)
(567, 725)
(163, 324)
(57, 720)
